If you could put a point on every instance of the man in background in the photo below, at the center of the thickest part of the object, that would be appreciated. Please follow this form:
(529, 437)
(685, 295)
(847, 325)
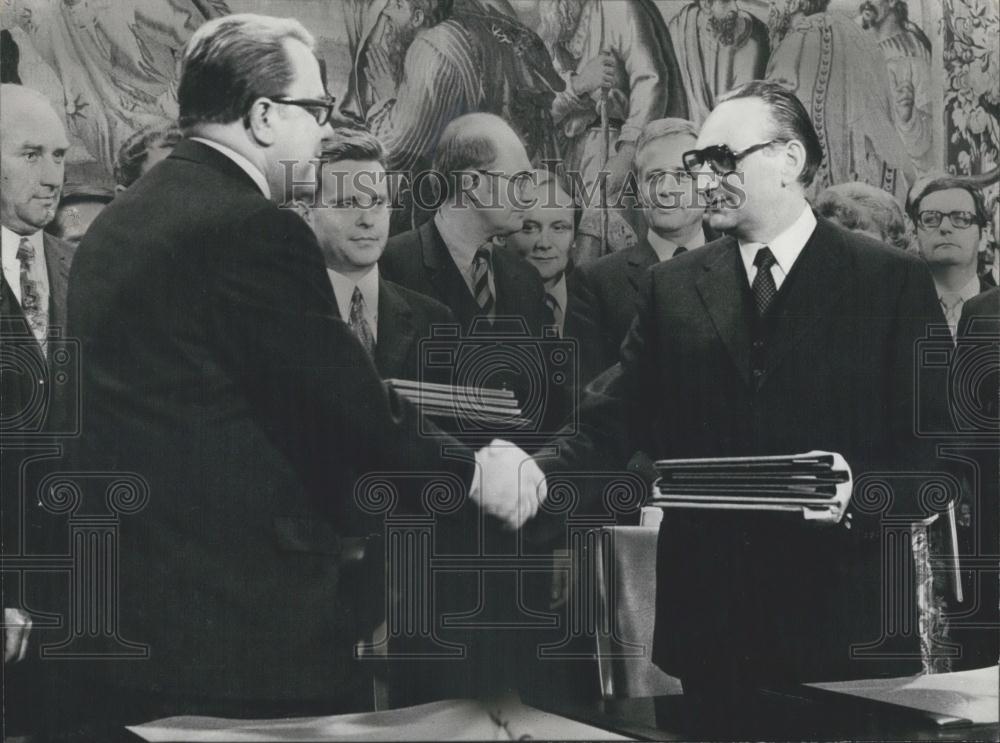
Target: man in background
(350, 217)
(863, 208)
(608, 289)
(79, 206)
(723, 46)
(142, 151)
(36, 267)
(949, 216)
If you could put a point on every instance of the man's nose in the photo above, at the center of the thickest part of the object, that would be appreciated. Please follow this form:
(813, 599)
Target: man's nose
(946, 227)
(52, 172)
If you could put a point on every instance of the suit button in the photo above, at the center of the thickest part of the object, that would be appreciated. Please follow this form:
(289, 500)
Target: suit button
(758, 344)
(758, 373)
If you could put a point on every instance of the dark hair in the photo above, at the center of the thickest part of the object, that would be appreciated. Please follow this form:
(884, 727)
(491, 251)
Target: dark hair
(231, 61)
(789, 119)
(134, 150)
(926, 187)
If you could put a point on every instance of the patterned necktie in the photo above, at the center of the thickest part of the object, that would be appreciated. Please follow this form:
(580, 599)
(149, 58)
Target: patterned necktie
(557, 313)
(358, 322)
(480, 271)
(764, 288)
(31, 303)
(678, 250)
(951, 303)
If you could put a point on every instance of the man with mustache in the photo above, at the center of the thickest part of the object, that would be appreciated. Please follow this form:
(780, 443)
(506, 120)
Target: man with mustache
(723, 47)
(907, 52)
(840, 76)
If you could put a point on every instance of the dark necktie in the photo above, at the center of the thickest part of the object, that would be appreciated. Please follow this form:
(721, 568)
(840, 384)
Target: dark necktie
(358, 322)
(480, 270)
(557, 313)
(678, 250)
(764, 289)
(31, 302)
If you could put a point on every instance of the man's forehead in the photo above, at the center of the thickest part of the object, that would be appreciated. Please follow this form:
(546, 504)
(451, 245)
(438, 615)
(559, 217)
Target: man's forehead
(348, 177)
(665, 152)
(32, 133)
(948, 196)
(307, 81)
(737, 123)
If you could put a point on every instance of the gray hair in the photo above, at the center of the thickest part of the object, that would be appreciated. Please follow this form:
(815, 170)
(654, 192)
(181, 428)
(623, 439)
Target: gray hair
(860, 206)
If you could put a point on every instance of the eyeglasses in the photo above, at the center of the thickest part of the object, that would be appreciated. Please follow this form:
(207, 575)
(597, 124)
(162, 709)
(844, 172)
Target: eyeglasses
(719, 157)
(320, 109)
(959, 220)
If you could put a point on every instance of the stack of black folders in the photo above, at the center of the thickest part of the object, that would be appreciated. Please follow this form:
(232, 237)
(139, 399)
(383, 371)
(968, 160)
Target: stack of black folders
(474, 406)
(816, 484)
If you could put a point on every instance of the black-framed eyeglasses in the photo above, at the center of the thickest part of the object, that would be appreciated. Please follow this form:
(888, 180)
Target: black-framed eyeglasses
(931, 218)
(320, 109)
(719, 158)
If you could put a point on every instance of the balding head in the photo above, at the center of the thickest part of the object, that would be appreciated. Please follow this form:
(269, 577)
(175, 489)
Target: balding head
(33, 147)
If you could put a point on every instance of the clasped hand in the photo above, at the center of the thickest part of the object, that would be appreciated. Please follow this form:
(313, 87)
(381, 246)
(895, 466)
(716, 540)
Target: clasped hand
(508, 484)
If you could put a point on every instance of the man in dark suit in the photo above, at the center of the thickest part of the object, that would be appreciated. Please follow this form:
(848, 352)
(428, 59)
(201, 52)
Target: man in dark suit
(458, 257)
(609, 287)
(790, 334)
(32, 305)
(949, 216)
(218, 372)
(350, 216)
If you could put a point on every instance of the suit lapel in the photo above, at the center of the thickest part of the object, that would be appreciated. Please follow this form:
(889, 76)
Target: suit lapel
(396, 332)
(640, 257)
(721, 287)
(444, 275)
(815, 283)
(13, 322)
(58, 256)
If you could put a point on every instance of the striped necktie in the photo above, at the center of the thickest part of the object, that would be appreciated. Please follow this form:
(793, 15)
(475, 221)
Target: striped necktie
(482, 264)
(557, 312)
(31, 302)
(763, 286)
(358, 322)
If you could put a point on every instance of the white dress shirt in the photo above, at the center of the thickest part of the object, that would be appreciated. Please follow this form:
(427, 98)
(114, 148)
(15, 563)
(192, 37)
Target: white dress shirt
(786, 248)
(9, 243)
(665, 248)
(343, 290)
(248, 167)
(952, 302)
(462, 253)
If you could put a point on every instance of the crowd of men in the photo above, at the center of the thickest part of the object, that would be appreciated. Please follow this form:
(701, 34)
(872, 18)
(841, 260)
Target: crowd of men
(234, 338)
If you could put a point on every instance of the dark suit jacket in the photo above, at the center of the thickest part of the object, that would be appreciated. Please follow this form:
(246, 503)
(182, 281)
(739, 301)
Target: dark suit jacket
(608, 289)
(218, 371)
(770, 596)
(404, 318)
(32, 404)
(419, 260)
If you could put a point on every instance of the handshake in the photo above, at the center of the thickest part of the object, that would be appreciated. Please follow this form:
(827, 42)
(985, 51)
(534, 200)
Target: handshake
(507, 484)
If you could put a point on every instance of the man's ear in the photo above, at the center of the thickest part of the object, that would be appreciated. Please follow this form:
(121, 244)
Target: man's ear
(417, 18)
(795, 161)
(260, 121)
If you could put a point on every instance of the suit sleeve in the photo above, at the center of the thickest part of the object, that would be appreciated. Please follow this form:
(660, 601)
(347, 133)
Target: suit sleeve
(310, 381)
(613, 421)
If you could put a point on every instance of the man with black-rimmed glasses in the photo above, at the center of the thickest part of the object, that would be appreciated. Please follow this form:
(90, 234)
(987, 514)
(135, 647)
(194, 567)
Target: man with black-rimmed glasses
(949, 216)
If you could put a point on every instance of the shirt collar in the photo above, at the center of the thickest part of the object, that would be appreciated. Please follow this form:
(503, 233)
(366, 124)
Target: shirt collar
(786, 246)
(665, 248)
(461, 252)
(559, 293)
(248, 167)
(343, 290)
